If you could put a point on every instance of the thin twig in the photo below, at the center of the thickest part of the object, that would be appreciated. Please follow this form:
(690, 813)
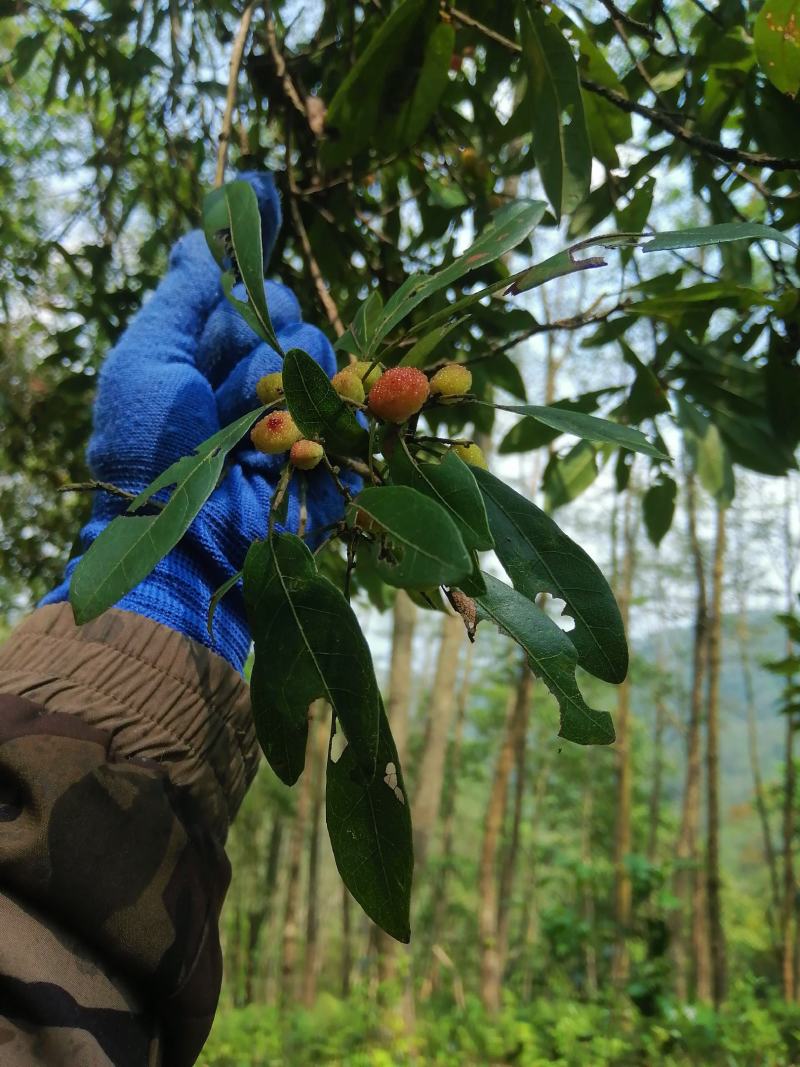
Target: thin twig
(230, 97)
(288, 86)
(325, 298)
(641, 28)
(334, 473)
(104, 487)
(624, 103)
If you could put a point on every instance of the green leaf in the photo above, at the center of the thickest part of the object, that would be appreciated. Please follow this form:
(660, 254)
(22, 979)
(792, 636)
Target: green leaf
(567, 476)
(529, 434)
(658, 506)
(560, 136)
(418, 354)
(417, 112)
(452, 485)
(425, 545)
(318, 409)
(588, 427)
(540, 558)
(698, 236)
(244, 220)
(557, 266)
(308, 645)
(776, 36)
(369, 824)
(131, 545)
(552, 657)
(708, 452)
(219, 593)
(366, 321)
(509, 226)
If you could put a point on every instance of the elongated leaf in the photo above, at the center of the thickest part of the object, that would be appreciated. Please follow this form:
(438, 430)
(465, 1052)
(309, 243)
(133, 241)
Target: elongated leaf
(369, 824)
(452, 485)
(509, 226)
(223, 591)
(366, 321)
(420, 354)
(131, 545)
(567, 476)
(561, 143)
(529, 434)
(308, 645)
(658, 505)
(552, 657)
(588, 427)
(318, 409)
(417, 112)
(714, 235)
(776, 36)
(245, 225)
(426, 548)
(557, 266)
(710, 457)
(540, 558)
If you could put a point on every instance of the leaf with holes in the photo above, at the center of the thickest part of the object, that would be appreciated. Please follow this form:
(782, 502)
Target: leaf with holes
(308, 645)
(369, 824)
(552, 657)
(539, 558)
(131, 545)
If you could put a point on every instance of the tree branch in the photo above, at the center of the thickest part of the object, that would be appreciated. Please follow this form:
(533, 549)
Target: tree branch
(325, 298)
(230, 97)
(658, 118)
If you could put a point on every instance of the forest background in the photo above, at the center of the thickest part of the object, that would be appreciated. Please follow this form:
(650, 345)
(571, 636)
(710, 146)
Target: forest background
(636, 904)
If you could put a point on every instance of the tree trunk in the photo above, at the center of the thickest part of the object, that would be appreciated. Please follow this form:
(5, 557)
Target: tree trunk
(716, 932)
(260, 915)
(620, 964)
(589, 945)
(510, 861)
(347, 941)
(441, 886)
(490, 963)
(430, 779)
(789, 892)
(654, 805)
(319, 755)
(397, 710)
(690, 954)
(289, 946)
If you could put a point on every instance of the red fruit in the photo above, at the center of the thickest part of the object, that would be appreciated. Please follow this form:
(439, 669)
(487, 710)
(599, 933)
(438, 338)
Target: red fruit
(276, 433)
(398, 394)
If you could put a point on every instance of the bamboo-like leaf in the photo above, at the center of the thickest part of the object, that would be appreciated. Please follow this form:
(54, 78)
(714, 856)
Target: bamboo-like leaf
(588, 427)
(131, 545)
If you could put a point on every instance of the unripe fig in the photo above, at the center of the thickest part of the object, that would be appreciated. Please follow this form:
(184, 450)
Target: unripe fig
(454, 379)
(368, 372)
(348, 385)
(472, 454)
(275, 433)
(270, 387)
(305, 455)
(398, 394)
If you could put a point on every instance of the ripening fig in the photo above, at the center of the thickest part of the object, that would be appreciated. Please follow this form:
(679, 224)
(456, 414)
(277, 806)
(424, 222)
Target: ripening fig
(398, 394)
(270, 387)
(305, 455)
(472, 454)
(348, 385)
(367, 371)
(275, 433)
(454, 379)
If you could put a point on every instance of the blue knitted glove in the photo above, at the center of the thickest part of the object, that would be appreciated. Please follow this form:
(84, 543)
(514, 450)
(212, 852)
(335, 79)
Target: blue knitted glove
(187, 366)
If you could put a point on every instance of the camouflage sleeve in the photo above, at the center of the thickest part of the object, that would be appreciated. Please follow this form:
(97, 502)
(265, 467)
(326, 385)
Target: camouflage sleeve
(125, 751)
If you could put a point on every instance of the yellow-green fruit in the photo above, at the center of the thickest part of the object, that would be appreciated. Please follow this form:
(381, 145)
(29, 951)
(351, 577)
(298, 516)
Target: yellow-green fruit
(277, 432)
(305, 455)
(367, 379)
(472, 454)
(270, 387)
(452, 380)
(348, 385)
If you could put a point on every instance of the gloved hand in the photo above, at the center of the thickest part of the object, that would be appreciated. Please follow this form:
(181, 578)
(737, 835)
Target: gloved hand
(187, 366)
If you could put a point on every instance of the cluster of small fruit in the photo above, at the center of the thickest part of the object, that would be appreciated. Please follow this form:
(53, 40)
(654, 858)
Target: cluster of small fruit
(392, 396)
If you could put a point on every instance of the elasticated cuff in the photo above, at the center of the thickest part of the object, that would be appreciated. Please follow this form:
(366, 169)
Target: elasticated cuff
(160, 695)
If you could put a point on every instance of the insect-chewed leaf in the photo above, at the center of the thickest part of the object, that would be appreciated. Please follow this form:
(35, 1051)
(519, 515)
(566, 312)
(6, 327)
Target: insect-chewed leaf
(540, 558)
(369, 824)
(308, 644)
(552, 658)
(131, 545)
(588, 427)
(452, 485)
(425, 547)
(318, 409)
